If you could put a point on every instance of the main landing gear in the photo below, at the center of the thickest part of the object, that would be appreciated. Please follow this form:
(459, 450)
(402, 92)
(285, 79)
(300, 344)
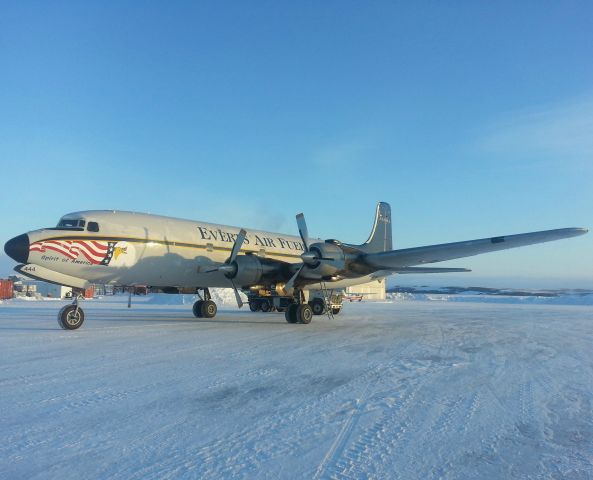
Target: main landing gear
(298, 311)
(205, 308)
(71, 316)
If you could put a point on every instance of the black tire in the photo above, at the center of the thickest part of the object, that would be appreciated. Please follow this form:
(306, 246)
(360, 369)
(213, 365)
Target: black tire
(304, 313)
(70, 317)
(290, 313)
(209, 309)
(318, 306)
(265, 306)
(197, 308)
(336, 310)
(254, 305)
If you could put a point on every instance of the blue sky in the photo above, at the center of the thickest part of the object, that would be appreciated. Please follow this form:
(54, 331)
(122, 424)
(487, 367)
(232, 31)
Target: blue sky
(471, 119)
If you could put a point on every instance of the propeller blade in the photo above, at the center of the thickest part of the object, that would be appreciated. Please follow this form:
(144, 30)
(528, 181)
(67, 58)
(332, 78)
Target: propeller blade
(290, 284)
(237, 296)
(227, 267)
(237, 246)
(303, 231)
(310, 258)
(214, 269)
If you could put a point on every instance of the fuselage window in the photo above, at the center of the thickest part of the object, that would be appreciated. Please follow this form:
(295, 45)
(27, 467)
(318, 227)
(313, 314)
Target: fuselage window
(92, 227)
(71, 223)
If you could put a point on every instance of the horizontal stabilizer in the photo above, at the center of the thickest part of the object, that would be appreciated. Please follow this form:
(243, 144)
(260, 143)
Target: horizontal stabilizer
(406, 257)
(430, 270)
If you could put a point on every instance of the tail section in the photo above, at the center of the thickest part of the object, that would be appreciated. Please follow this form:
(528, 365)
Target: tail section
(380, 238)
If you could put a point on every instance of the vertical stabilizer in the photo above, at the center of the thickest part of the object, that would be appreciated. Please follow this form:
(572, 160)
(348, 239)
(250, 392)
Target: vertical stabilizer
(380, 238)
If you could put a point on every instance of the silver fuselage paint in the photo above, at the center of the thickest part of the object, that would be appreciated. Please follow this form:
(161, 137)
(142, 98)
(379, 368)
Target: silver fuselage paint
(156, 250)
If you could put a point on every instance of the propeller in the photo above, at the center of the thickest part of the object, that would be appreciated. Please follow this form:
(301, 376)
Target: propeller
(229, 268)
(290, 284)
(310, 257)
(303, 230)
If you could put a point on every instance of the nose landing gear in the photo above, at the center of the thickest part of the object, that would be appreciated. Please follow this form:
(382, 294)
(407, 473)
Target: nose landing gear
(71, 317)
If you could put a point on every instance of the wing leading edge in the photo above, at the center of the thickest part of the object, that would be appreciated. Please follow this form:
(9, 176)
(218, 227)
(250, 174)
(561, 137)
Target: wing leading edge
(407, 257)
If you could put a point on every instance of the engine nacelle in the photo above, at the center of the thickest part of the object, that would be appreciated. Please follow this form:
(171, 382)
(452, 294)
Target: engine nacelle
(331, 260)
(250, 269)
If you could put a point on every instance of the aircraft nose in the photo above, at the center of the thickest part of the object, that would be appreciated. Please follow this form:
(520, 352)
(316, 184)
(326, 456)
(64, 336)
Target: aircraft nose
(17, 248)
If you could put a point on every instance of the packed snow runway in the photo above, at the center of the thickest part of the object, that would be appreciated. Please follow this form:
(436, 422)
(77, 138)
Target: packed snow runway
(414, 390)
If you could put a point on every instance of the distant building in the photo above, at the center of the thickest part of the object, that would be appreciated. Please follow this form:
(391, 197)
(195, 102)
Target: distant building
(374, 290)
(27, 287)
(6, 289)
(44, 289)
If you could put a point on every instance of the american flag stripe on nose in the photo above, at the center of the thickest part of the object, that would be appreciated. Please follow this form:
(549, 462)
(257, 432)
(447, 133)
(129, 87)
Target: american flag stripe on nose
(94, 251)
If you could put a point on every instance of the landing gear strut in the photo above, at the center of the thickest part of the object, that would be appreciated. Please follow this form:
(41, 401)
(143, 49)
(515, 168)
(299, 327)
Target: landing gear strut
(71, 316)
(204, 308)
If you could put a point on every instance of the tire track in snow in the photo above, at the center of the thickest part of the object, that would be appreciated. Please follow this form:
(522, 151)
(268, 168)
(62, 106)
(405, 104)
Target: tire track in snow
(246, 450)
(377, 441)
(384, 434)
(337, 447)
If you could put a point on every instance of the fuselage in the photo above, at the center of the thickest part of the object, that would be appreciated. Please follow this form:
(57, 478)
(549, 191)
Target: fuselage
(128, 248)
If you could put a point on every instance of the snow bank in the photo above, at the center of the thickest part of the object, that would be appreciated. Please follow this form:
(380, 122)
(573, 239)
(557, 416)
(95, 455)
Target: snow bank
(36, 298)
(570, 299)
(221, 296)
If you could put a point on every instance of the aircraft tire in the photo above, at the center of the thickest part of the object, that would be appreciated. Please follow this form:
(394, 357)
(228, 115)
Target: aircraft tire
(209, 309)
(254, 305)
(265, 306)
(304, 313)
(290, 313)
(69, 318)
(197, 309)
(318, 306)
(336, 310)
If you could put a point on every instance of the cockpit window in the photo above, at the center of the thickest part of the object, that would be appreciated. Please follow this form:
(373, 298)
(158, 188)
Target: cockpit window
(71, 223)
(92, 227)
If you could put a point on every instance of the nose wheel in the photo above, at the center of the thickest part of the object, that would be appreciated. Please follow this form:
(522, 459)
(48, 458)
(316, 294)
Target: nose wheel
(71, 316)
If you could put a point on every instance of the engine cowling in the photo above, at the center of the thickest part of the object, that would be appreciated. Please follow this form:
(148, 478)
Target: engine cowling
(250, 269)
(331, 260)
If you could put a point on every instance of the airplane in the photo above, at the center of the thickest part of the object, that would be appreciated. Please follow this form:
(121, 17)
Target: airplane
(353, 297)
(183, 256)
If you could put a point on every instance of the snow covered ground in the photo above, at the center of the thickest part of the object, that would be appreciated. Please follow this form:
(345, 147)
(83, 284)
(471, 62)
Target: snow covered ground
(410, 390)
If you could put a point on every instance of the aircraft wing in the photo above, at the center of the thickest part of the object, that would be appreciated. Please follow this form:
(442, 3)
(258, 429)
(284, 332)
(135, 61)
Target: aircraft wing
(406, 257)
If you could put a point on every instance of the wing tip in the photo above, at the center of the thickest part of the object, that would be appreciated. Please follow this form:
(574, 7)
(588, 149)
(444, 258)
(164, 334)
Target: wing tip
(570, 232)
